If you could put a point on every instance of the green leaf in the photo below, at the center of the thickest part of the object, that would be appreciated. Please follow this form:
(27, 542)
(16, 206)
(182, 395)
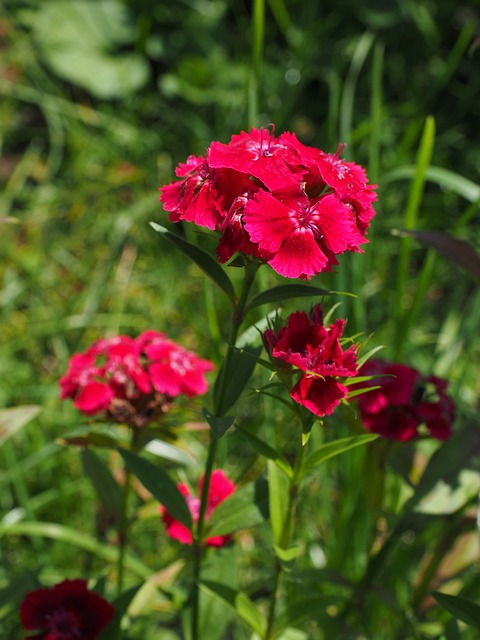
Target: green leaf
(14, 418)
(299, 611)
(90, 439)
(160, 485)
(74, 538)
(238, 511)
(81, 41)
(265, 450)
(448, 180)
(106, 487)
(239, 603)
(461, 608)
(285, 292)
(170, 452)
(121, 604)
(220, 425)
(335, 448)
(201, 258)
(237, 372)
(278, 491)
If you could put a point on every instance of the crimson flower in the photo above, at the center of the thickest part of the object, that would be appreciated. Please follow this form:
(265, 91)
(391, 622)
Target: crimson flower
(220, 488)
(67, 611)
(276, 199)
(308, 346)
(133, 380)
(404, 400)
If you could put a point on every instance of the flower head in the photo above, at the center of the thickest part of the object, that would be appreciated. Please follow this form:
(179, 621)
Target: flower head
(276, 199)
(404, 400)
(220, 488)
(315, 350)
(133, 380)
(67, 611)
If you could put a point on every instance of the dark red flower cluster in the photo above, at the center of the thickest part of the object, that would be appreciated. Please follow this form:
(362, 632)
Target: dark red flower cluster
(294, 206)
(307, 345)
(67, 611)
(404, 400)
(133, 380)
(220, 488)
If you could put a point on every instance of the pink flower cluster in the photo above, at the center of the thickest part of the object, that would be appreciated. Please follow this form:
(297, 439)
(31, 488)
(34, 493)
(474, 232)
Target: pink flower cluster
(315, 350)
(274, 198)
(67, 611)
(221, 487)
(133, 380)
(404, 400)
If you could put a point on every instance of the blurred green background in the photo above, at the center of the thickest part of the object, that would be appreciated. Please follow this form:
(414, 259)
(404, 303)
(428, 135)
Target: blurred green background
(100, 99)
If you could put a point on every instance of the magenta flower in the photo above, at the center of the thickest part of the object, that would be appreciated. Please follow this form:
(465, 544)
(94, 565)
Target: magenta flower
(220, 488)
(404, 400)
(276, 199)
(133, 380)
(67, 611)
(308, 346)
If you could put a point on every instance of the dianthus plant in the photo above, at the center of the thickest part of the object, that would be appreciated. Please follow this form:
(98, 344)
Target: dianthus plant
(269, 202)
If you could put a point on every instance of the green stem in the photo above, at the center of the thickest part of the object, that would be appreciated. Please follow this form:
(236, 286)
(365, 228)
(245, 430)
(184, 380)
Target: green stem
(285, 536)
(123, 520)
(258, 36)
(223, 375)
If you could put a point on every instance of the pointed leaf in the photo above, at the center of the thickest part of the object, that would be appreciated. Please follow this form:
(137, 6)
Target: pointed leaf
(461, 608)
(278, 491)
(220, 425)
(458, 251)
(238, 511)
(298, 611)
(236, 372)
(203, 259)
(160, 485)
(14, 418)
(265, 450)
(335, 448)
(107, 489)
(170, 452)
(121, 604)
(239, 603)
(92, 439)
(287, 291)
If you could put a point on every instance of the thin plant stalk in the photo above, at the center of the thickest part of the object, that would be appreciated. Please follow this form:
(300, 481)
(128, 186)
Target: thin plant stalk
(123, 520)
(258, 37)
(198, 545)
(285, 536)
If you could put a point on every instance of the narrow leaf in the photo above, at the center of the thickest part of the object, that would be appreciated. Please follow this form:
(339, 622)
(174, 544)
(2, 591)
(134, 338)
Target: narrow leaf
(298, 611)
(107, 489)
(335, 448)
(265, 450)
(461, 608)
(286, 291)
(239, 603)
(219, 425)
(458, 251)
(14, 418)
(121, 605)
(236, 372)
(74, 538)
(278, 490)
(160, 485)
(203, 259)
(238, 511)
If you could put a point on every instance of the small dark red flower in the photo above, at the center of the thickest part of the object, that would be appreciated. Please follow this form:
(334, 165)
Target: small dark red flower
(307, 345)
(220, 488)
(133, 380)
(404, 400)
(67, 611)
